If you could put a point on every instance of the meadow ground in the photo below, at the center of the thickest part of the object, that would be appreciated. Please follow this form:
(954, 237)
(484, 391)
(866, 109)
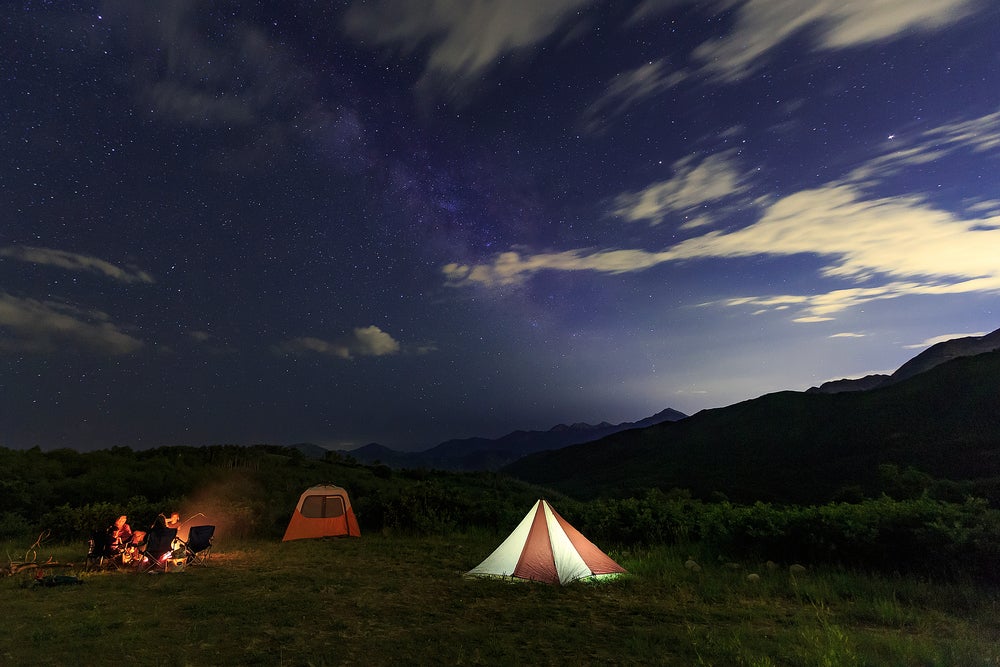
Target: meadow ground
(391, 599)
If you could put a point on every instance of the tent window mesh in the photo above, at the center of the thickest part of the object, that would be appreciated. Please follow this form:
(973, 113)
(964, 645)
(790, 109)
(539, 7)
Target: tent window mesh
(322, 507)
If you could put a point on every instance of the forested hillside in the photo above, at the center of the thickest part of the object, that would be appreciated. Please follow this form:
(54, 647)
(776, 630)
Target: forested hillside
(798, 447)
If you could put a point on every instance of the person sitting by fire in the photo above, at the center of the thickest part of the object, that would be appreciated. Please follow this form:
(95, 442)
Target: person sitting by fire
(163, 521)
(121, 533)
(133, 550)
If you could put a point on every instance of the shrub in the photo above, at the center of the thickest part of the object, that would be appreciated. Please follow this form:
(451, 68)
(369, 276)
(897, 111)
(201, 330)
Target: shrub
(13, 525)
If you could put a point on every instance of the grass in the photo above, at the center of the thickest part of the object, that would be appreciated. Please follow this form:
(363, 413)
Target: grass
(382, 600)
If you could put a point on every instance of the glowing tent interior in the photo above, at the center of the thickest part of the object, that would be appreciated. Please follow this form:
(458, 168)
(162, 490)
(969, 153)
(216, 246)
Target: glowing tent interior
(545, 547)
(322, 511)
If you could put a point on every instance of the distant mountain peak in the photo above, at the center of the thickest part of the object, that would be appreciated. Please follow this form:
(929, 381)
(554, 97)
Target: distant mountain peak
(371, 449)
(936, 354)
(493, 453)
(579, 426)
(945, 351)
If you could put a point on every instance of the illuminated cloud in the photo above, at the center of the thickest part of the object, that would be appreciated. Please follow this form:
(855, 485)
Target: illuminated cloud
(761, 25)
(920, 249)
(363, 341)
(693, 184)
(465, 38)
(374, 342)
(74, 262)
(900, 237)
(884, 247)
(628, 89)
(28, 325)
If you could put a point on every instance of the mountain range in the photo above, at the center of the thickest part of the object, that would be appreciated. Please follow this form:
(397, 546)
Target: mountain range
(938, 414)
(493, 454)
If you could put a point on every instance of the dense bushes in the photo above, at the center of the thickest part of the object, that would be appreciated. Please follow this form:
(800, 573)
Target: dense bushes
(67, 520)
(250, 492)
(920, 535)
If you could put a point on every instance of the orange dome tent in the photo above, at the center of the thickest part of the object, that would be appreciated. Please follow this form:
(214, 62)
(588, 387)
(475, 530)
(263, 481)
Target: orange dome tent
(322, 511)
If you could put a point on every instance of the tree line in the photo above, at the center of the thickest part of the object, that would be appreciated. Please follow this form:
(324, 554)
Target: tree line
(915, 525)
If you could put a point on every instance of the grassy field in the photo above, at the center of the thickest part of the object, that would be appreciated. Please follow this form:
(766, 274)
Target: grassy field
(382, 600)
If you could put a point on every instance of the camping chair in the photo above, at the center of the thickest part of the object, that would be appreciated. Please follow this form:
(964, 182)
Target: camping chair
(157, 549)
(101, 552)
(199, 544)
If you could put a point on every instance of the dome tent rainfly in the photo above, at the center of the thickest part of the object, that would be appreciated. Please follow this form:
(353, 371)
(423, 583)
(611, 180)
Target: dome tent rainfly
(322, 511)
(544, 547)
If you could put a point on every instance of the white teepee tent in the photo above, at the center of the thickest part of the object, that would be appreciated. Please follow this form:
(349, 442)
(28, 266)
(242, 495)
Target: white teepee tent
(544, 547)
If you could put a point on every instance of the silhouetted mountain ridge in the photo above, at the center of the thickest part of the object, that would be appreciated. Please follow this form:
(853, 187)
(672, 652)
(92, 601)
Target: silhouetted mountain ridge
(494, 453)
(803, 446)
(926, 360)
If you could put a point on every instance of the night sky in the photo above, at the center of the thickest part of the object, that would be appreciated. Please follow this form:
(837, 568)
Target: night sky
(404, 221)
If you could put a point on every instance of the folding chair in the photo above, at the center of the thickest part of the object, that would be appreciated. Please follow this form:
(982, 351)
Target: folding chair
(157, 550)
(101, 552)
(199, 544)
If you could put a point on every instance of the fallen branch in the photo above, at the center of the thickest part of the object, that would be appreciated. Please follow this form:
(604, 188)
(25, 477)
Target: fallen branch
(30, 559)
(21, 567)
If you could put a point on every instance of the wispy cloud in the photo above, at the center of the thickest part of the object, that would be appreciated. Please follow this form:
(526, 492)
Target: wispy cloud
(823, 306)
(368, 341)
(811, 319)
(194, 70)
(981, 134)
(464, 38)
(761, 25)
(978, 135)
(74, 262)
(29, 325)
(512, 268)
(693, 184)
(628, 89)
